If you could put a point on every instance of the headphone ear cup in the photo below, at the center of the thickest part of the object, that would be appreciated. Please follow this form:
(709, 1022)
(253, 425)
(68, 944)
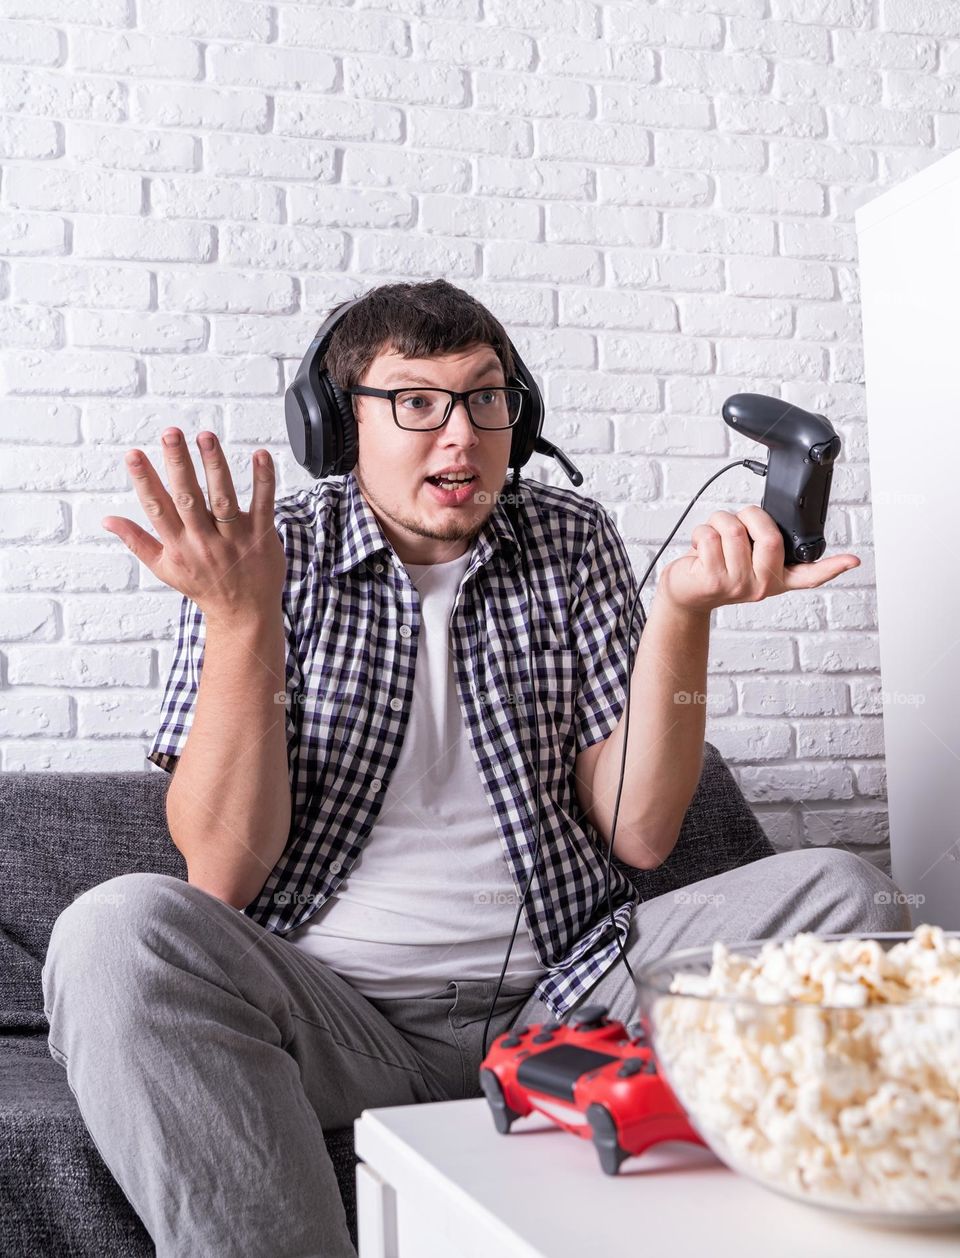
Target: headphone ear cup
(320, 422)
(527, 428)
(347, 426)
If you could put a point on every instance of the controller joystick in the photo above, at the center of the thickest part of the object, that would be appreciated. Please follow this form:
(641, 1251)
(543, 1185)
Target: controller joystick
(588, 1018)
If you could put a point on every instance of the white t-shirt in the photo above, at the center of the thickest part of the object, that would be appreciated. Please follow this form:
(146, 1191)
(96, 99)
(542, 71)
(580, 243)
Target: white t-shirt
(430, 897)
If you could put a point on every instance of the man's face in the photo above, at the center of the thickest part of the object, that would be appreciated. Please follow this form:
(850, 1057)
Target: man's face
(394, 464)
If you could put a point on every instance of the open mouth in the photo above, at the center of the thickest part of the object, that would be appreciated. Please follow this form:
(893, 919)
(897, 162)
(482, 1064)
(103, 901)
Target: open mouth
(451, 493)
(443, 482)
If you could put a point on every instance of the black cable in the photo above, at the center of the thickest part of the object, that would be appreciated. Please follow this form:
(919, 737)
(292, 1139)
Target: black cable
(755, 466)
(515, 484)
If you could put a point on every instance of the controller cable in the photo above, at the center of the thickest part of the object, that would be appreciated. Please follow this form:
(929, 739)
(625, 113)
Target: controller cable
(760, 469)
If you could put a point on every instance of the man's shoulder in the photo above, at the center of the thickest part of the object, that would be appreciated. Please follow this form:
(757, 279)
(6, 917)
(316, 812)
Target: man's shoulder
(561, 504)
(308, 521)
(567, 519)
(580, 534)
(305, 505)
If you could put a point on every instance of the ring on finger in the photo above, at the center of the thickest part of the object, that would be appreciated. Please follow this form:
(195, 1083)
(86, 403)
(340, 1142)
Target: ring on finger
(225, 519)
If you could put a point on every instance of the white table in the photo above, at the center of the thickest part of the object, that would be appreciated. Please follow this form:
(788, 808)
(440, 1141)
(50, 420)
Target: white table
(438, 1181)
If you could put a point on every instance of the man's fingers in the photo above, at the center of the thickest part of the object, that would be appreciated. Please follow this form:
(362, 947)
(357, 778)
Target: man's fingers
(156, 502)
(137, 540)
(188, 497)
(759, 523)
(707, 543)
(807, 576)
(264, 490)
(220, 488)
(768, 555)
(736, 545)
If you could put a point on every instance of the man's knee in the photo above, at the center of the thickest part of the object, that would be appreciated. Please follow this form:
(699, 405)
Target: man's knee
(115, 905)
(103, 923)
(867, 899)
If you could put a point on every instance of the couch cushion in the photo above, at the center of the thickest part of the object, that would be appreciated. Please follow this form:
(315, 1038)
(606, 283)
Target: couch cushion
(57, 1195)
(60, 834)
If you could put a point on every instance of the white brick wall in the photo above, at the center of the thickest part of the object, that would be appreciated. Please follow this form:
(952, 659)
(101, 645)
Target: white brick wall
(656, 198)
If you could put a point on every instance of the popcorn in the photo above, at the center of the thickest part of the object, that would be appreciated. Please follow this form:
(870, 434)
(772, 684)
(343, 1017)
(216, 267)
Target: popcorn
(839, 1078)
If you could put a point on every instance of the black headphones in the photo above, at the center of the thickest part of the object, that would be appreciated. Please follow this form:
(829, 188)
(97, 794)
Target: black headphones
(322, 427)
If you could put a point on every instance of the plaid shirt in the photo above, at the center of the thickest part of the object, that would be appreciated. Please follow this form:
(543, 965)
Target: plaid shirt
(351, 616)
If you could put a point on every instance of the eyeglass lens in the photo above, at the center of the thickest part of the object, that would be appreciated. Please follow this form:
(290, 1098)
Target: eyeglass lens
(428, 408)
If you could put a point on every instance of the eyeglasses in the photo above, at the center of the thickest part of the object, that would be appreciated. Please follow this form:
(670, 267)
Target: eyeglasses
(427, 409)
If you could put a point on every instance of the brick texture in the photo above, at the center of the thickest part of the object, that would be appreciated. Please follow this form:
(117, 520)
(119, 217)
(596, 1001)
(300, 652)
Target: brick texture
(656, 197)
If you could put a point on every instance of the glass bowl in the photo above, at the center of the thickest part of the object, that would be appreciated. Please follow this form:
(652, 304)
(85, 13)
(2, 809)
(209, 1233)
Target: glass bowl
(855, 1108)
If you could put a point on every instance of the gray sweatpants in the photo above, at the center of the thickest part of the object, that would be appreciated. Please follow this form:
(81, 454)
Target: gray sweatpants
(207, 1055)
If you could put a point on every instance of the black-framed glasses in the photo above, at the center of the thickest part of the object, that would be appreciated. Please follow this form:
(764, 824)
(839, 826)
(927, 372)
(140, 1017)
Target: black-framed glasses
(425, 409)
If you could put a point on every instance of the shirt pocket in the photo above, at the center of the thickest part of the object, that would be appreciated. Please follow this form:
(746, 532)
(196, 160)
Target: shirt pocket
(556, 679)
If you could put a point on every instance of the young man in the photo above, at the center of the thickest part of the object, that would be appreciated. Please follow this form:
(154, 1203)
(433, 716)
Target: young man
(355, 851)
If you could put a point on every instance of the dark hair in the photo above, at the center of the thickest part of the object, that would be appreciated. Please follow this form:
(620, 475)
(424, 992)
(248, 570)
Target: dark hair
(417, 321)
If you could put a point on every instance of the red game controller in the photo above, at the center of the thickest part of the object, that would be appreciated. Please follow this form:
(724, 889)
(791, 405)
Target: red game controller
(589, 1076)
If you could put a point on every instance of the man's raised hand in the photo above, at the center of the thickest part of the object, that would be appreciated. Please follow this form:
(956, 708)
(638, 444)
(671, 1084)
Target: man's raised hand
(229, 569)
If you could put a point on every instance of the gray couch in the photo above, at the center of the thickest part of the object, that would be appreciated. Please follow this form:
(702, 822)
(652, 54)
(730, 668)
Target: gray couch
(62, 833)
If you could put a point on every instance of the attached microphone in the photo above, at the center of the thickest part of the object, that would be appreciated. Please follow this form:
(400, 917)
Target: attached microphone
(543, 446)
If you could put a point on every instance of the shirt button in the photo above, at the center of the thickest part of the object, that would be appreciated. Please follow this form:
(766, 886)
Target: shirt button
(375, 785)
(405, 631)
(378, 567)
(396, 704)
(336, 866)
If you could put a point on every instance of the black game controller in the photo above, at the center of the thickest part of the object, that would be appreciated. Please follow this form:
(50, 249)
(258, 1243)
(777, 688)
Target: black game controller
(803, 447)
